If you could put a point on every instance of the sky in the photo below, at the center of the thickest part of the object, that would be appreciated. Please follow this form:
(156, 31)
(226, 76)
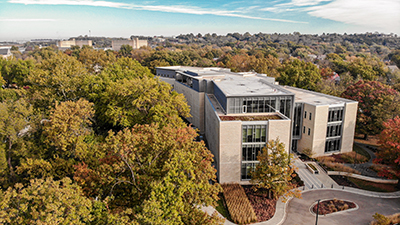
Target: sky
(61, 19)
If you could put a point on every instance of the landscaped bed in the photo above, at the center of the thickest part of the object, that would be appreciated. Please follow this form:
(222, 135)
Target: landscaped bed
(332, 205)
(239, 207)
(263, 207)
(250, 118)
(362, 184)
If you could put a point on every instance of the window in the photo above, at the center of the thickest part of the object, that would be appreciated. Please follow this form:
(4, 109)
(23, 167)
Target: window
(254, 133)
(304, 130)
(334, 130)
(309, 131)
(297, 120)
(310, 115)
(246, 168)
(335, 114)
(332, 145)
(250, 152)
(305, 114)
(253, 141)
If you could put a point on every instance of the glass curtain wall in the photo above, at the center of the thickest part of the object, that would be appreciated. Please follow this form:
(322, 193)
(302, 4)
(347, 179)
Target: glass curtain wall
(334, 130)
(261, 104)
(253, 141)
(297, 120)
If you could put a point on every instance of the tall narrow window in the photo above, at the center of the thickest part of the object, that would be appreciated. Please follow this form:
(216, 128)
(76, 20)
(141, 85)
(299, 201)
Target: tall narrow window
(305, 114)
(304, 130)
(310, 115)
(309, 131)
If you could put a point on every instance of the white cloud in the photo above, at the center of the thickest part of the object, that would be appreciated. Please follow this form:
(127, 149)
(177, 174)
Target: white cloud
(303, 2)
(27, 20)
(158, 8)
(71, 2)
(383, 15)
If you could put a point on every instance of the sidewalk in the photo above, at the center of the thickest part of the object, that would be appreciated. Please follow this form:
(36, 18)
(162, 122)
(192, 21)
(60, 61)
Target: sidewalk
(313, 181)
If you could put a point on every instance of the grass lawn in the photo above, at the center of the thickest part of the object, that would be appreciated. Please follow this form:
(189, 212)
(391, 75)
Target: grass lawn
(372, 139)
(372, 186)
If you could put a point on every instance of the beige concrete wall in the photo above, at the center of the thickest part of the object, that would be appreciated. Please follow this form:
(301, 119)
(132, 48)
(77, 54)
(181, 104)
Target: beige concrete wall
(348, 126)
(81, 43)
(196, 102)
(230, 140)
(306, 140)
(280, 129)
(318, 130)
(68, 44)
(212, 132)
(318, 124)
(135, 43)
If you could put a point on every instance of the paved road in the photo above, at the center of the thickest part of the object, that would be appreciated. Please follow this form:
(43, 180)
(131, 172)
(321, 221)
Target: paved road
(298, 210)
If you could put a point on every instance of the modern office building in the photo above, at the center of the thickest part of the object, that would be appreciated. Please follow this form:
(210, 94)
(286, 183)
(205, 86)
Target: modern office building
(239, 112)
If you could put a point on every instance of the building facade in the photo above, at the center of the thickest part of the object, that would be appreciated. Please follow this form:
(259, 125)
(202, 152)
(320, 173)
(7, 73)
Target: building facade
(69, 43)
(135, 43)
(239, 112)
(5, 53)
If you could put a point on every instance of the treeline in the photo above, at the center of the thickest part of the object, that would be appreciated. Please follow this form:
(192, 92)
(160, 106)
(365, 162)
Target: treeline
(91, 138)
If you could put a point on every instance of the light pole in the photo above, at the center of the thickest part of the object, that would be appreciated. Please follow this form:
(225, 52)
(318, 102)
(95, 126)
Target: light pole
(316, 219)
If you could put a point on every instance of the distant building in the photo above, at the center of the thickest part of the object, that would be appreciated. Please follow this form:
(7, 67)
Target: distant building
(135, 43)
(69, 43)
(239, 112)
(5, 52)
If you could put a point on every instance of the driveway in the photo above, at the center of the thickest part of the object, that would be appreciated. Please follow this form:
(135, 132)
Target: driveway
(298, 210)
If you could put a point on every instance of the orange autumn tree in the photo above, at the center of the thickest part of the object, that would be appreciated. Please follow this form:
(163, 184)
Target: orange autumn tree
(389, 152)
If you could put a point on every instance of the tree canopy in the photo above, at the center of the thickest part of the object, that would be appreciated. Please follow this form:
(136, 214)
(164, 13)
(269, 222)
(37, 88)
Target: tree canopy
(376, 103)
(389, 151)
(275, 171)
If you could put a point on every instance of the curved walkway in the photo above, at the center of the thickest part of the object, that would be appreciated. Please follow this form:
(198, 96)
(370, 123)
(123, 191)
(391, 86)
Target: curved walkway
(363, 168)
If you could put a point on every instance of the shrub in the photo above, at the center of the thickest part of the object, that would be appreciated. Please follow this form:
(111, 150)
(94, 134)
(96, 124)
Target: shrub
(380, 219)
(238, 204)
(385, 220)
(350, 157)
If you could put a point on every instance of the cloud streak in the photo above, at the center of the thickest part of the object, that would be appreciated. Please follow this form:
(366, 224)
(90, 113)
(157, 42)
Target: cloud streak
(157, 8)
(27, 20)
(376, 14)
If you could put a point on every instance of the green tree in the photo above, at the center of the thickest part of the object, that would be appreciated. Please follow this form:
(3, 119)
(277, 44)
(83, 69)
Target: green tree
(15, 71)
(45, 202)
(125, 50)
(59, 78)
(126, 93)
(68, 128)
(159, 172)
(14, 124)
(395, 57)
(275, 171)
(377, 103)
(300, 74)
(95, 60)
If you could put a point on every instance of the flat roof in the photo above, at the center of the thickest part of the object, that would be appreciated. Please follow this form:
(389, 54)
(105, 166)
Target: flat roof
(237, 85)
(316, 98)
